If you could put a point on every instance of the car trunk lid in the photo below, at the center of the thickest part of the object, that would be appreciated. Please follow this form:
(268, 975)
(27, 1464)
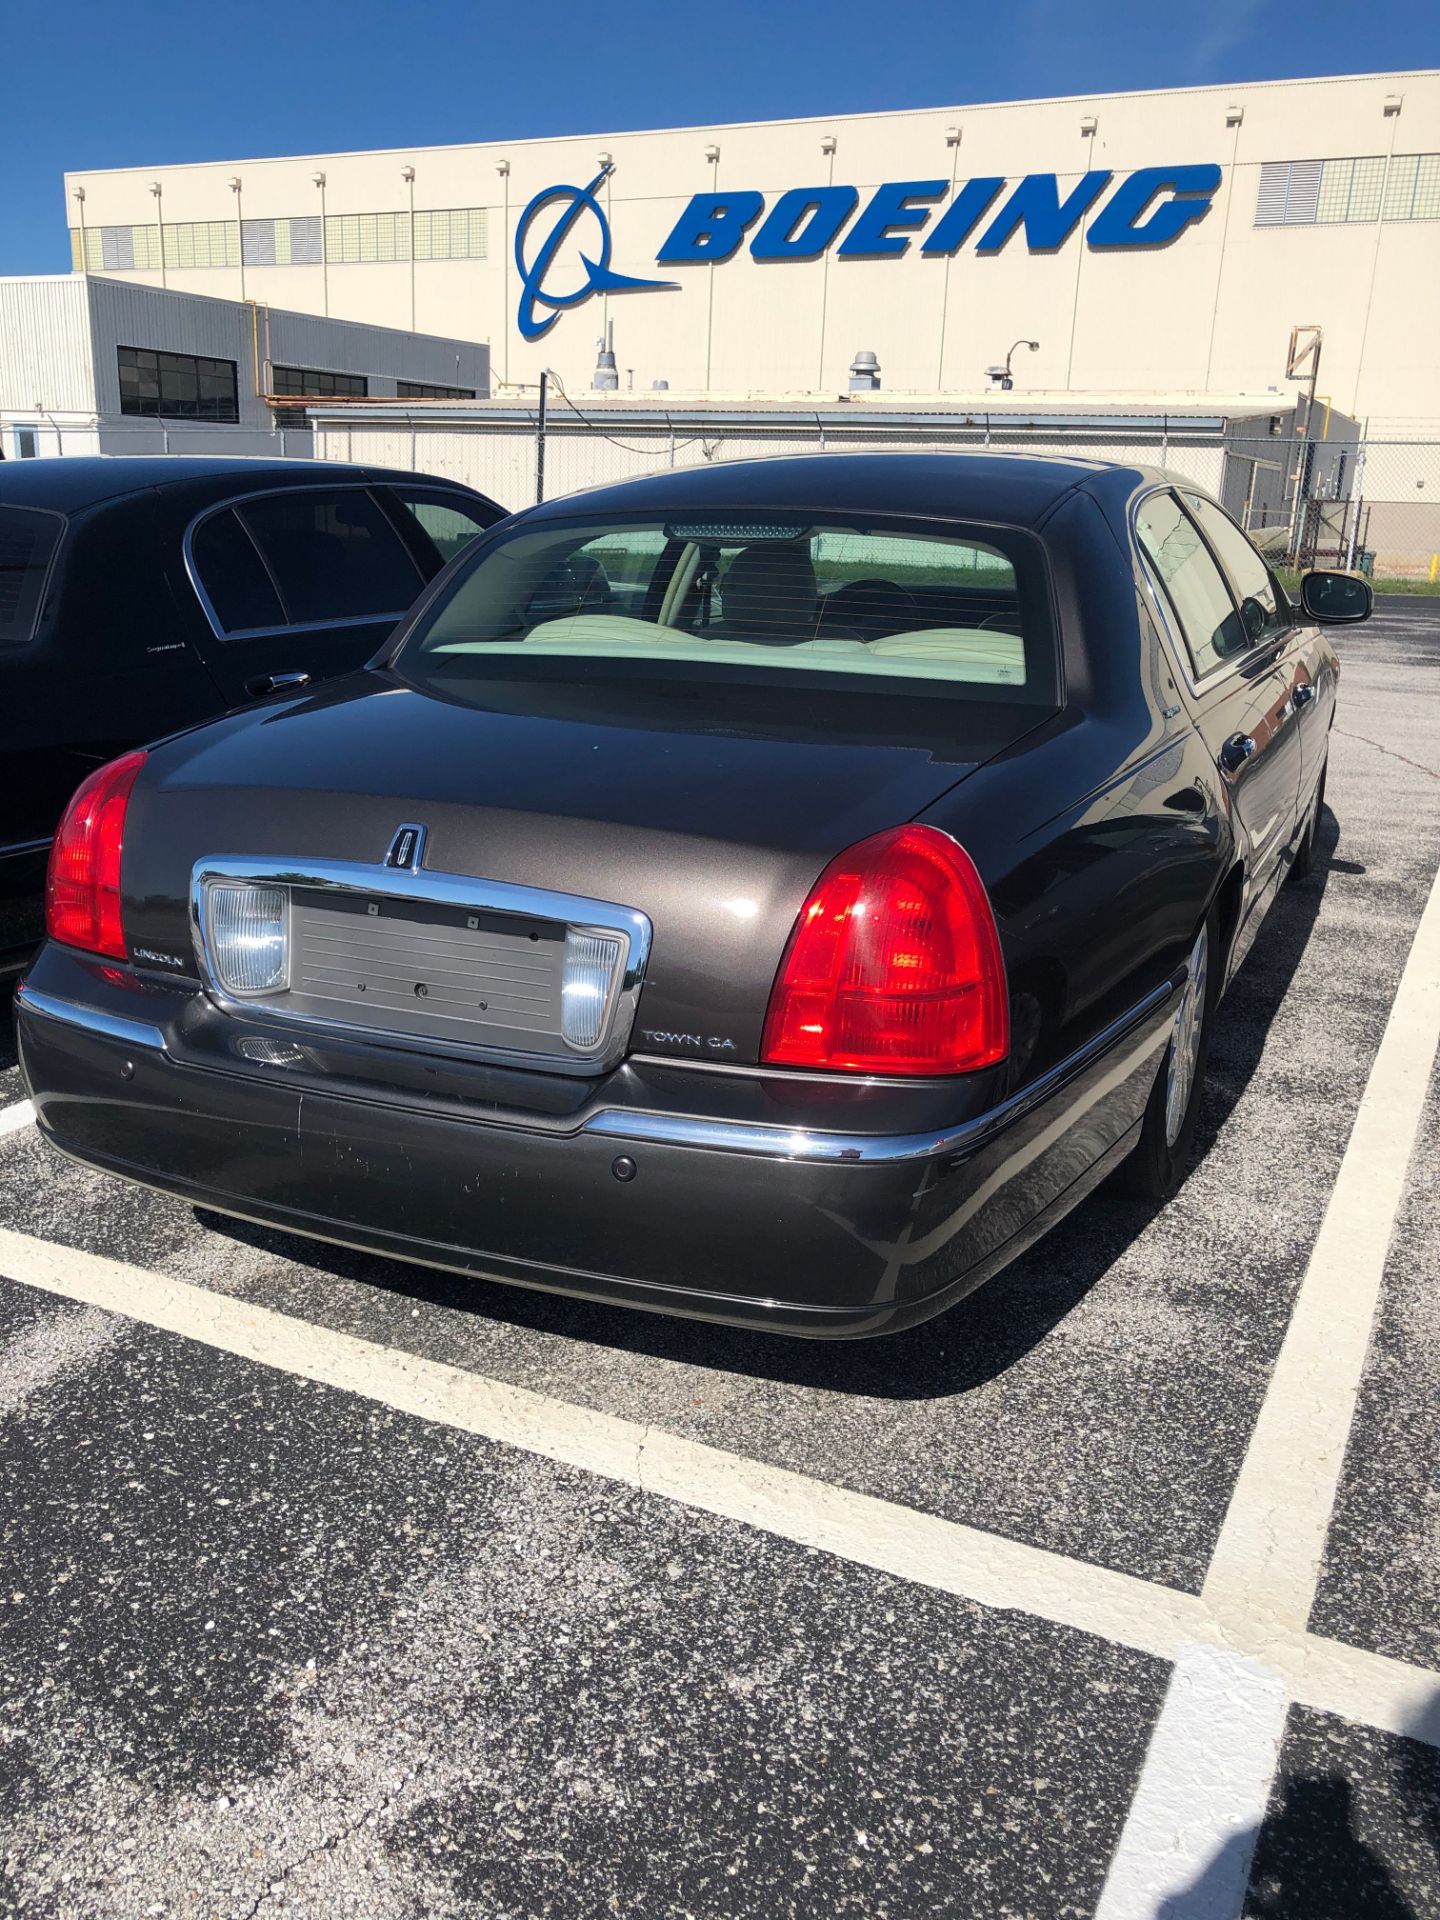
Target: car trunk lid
(710, 809)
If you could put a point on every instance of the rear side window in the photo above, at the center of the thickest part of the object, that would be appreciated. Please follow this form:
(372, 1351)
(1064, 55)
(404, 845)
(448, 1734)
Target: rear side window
(332, 555)
(1193, 583)
(1263, 608)
(27, 541)
(450, 523)
(232, 575)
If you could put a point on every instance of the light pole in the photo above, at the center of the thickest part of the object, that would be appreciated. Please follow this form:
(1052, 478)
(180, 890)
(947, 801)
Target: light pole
(827, 147)
(319, 180)
(156, 189)
(84, 246)
(952, 141)
(502, 167)
(712, 154)
(239, 229)
(407, 174)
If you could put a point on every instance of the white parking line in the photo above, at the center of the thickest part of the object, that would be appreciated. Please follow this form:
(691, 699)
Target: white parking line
(984, 1567)
(920, 1547)
(1189, 1836)
(1261, 1584)
(13, 1118)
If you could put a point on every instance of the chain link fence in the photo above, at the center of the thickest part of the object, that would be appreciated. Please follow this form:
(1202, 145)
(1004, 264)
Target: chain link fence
(1335, 499)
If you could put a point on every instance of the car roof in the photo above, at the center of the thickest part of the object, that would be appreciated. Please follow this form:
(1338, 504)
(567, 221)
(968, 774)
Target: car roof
(1018, 489)
(75, 481)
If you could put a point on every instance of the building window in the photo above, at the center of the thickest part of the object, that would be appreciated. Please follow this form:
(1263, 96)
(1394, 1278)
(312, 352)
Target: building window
(115, 249)
(422, 390)
(1307, 193)
(294, 242)
(454, 233)
(177, 386)
(313, 383)
(1413, 190)
(367, 236)
(203, 243)
(27, 443)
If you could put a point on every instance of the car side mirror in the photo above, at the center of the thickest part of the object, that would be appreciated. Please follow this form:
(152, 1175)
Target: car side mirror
(1336, 599)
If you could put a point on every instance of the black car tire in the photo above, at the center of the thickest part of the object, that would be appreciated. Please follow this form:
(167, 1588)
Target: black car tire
(1161, 1156)
(1304, 858)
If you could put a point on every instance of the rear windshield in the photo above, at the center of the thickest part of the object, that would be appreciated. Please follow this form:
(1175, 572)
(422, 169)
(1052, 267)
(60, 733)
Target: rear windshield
(28, 538)
(862, 604)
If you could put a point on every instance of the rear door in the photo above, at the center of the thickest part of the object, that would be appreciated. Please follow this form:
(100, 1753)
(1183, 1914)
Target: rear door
(299, 580)
(1237, 693)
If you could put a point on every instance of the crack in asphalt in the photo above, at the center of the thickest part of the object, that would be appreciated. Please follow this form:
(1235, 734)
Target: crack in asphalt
(1390, 752)
(274, 1887)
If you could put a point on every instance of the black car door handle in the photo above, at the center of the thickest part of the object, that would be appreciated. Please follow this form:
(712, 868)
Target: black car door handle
(1303, 694)
(1236, 751)
(276, 683)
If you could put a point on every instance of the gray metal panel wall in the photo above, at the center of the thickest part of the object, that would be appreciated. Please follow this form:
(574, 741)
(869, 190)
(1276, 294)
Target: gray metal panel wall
(126, 315)
(45, 345)
(343, 346)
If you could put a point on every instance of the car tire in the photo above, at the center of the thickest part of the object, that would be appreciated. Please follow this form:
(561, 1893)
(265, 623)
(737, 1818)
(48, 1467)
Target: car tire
(1161, 1156)
(1304, 858)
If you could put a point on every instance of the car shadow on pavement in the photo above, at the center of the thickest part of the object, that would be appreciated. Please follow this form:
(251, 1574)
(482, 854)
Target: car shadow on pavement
(977, 1340)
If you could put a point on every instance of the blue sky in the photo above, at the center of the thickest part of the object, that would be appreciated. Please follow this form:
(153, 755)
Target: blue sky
(100, 85)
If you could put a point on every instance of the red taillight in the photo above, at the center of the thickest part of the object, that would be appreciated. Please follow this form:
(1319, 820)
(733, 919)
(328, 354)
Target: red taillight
(894, 965)
(82, 891)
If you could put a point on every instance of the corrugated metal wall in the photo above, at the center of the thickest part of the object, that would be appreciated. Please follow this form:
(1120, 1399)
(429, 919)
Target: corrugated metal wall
(499, 459)
(124, 314)
(340, 346)
(45, 346)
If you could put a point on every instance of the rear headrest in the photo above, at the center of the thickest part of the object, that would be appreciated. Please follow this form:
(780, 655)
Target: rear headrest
(771, 590)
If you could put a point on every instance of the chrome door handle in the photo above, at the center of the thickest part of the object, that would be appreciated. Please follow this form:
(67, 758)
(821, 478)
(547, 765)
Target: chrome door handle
(276, 683)
(1236, 751)
(1303, 694)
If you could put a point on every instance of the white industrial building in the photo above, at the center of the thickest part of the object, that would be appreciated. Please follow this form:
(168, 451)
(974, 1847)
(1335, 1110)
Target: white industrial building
(90, 364)
(1150, 243)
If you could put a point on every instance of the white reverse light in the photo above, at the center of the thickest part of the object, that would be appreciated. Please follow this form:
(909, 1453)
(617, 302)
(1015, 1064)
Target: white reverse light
(249, 936)
(590, 963)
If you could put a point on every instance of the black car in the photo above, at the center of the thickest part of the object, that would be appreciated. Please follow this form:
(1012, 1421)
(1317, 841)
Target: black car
(775, 892)
(142, 595)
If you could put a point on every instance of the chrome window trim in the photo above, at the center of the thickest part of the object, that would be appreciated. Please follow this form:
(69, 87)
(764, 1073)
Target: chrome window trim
(223, 633)
(442, 889)
(51, 1006)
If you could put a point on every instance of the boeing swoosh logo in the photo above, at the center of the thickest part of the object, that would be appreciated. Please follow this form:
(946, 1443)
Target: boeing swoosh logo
(575, 203)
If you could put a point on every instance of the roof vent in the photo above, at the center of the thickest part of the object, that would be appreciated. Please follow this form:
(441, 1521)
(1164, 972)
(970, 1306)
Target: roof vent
(865, 372)
(607, 374)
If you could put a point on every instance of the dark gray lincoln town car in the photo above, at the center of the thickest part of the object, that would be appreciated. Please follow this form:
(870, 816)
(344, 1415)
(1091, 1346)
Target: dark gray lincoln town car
(775, 893)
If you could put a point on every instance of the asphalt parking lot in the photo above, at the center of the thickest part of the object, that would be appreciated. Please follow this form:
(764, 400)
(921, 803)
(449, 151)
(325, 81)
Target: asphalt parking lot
(336, 1587)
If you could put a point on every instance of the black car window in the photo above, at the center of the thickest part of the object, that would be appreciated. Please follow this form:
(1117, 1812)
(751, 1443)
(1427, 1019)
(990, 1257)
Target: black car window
(232, 575)
(1194, 584)
(27, 540)
(1263, 606)
(333, 555)
(450, 521)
